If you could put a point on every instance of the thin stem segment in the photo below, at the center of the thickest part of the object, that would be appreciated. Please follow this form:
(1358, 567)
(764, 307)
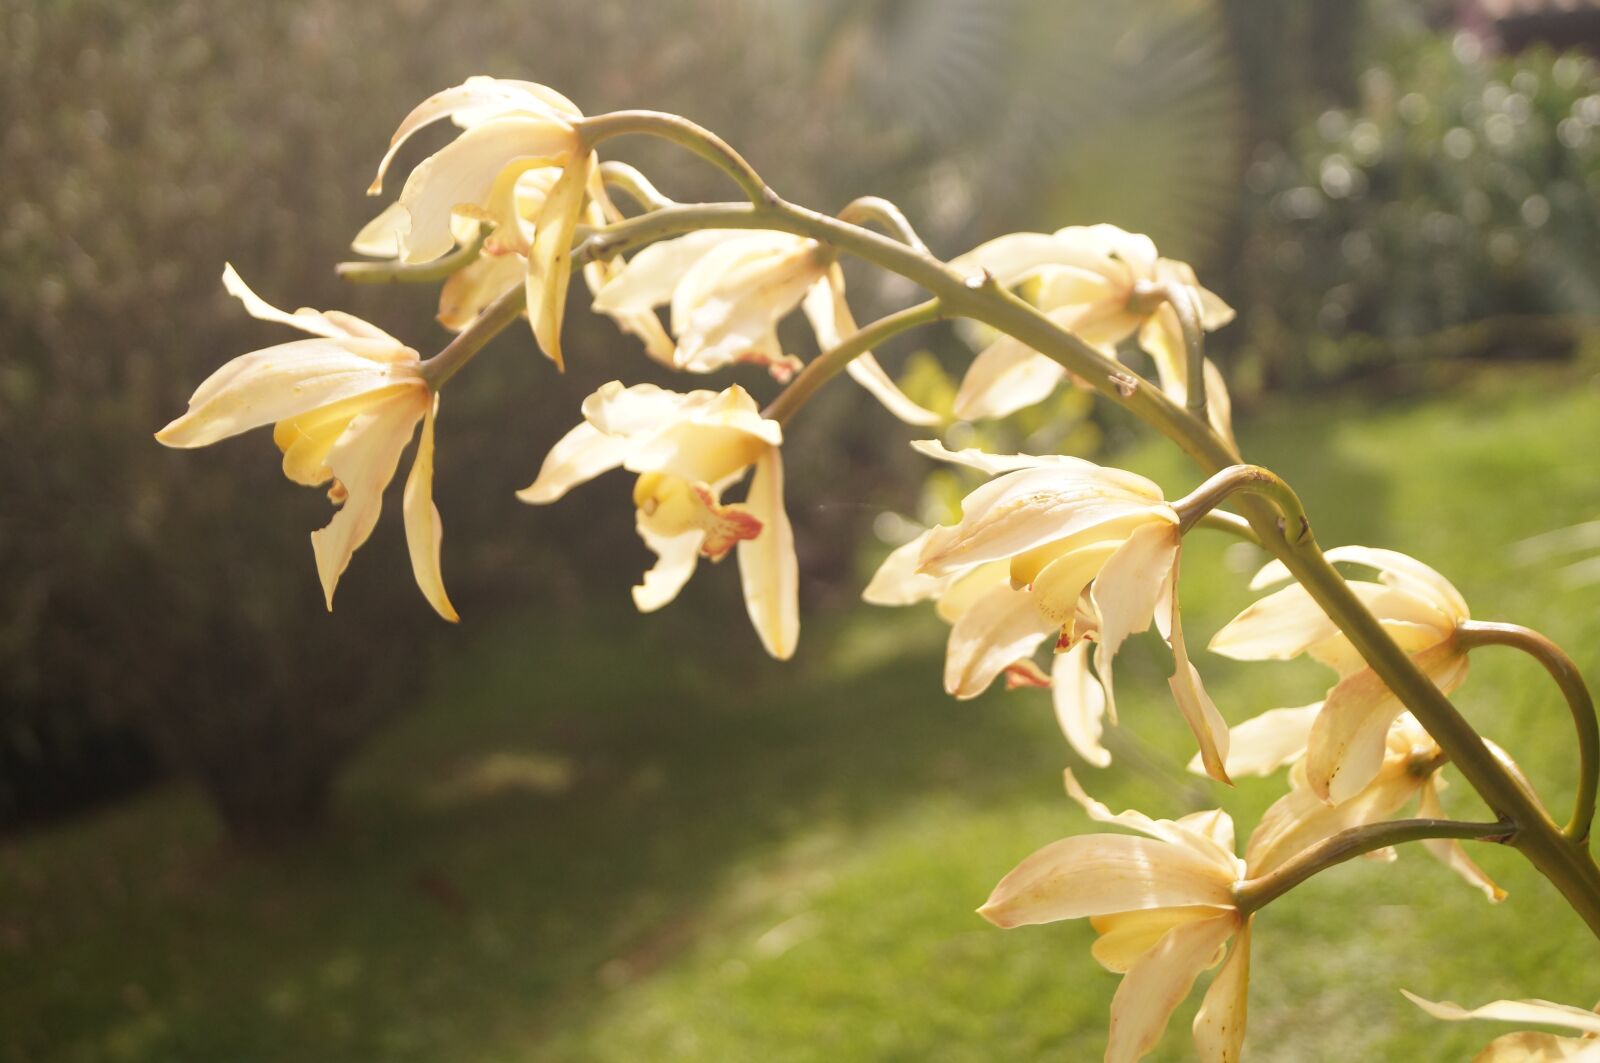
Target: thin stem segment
(393, 271)
(1475, 633)
(685, 134)
(1250, 480)
(827, 365)
(489, 323)
(1347, 844)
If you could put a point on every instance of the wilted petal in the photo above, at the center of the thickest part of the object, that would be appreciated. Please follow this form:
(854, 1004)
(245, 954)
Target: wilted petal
(1155, 985)
(1100, 874)
(767, 564)
(1539, 1012)
(364, 461)
(550, 260)
(1449, 851)
(1000, 627)
(1219, 1024)
(424, 529)
(1080, 703)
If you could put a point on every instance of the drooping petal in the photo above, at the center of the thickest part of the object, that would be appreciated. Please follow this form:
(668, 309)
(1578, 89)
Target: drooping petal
(1158, 982)
(1199, 712)
(475, 286)
(1080, 703)
(1449, 851)
(305, 319)
(1539, 1012)
(1219, 1024)
(825, 307)
(578, 457)
(550, 260)
(1005, 377)
(676, 558)
(280, 382)
(1101, 874)
(767, 565)
(464, 172)
(1000, 627)
(1205, 839)
(1126, 592)
(1265, 743)
(364, 461)
(424, 529)
(1349, 735)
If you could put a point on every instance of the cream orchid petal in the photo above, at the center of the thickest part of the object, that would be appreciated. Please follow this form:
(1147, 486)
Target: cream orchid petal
(424, 529)
(1125, 937)
(1020, 510)
(578, 457)
(1340, 654)
(649, 278)
(825, 307)
(767, 565)
(1128, 588)
(1005, 377)
(998, 629)
(897, 581)
(1060, 583)
(1525, 1046)
(305, 439)
(708, 442)
(1199, 712)
(1449, 851)
(480, 98)
(641, 409)
(1080, 703)
(1219, 404)
(1262, 745)
(380, 237)
(280, 382)
(332, 326)
(1155, 985)
(1541, 1012)
(1283, 625)
(1202, 836)
(550, 261)
(676, 559)
(1349, 736)
(966, 586)
(1015, 257)
(726, 307)
(1101, 874)
(465, 172)
(994, 464)
(473, 287)
(1300, 819)
(1220, 1022)
(1403, 571)
(364, 461)
(1161, 337)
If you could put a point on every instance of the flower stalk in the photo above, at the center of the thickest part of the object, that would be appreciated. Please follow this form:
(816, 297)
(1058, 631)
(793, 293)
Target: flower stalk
(1251, 480)
(831, 362)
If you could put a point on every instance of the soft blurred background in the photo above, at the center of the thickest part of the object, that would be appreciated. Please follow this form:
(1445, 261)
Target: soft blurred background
(234, 827)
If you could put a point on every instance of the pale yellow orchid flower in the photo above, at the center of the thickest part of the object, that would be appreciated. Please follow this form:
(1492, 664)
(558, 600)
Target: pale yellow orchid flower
(509, 128)
(1415, 604)
(1163, 906)
(1300, 819)
(1093, 281)
(1528, 1046)
(687, 449)
(728, 289)
(1064, 548)
(344, 404)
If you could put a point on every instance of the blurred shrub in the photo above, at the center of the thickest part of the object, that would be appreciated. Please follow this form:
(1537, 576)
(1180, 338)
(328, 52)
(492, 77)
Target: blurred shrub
(1448, 212)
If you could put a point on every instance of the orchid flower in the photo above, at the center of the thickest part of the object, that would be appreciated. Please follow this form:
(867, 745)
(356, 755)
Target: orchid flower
(1418, 607)
(1163, 907)
(1527, 1046)
(1054, 548)
(509, 128)
(1411, 765)
(727, 289)
(343, 404)
(688, 449)
(1096, 282)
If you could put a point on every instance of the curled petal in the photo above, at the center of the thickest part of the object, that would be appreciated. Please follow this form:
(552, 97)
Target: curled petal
(331, 325)
(1080, 703)
(550, 260)
(1013, 258)
(641, 409)
(767, 565)
(1155, 985)
(648, 280)
(1209, 728)
(825, 307)
(424, 529)
(1393, 567)
(995, 464)
(998, 628)
(1210, 836)
(1101, 874)
(1540, 1012)
(676, 558)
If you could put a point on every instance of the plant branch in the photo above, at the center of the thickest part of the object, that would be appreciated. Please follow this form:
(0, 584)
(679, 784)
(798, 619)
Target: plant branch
(1253, 894)
(1566, 675)
(1250, 480)
(828, 364)
(393, 271)
(685, 134)
(489, 323)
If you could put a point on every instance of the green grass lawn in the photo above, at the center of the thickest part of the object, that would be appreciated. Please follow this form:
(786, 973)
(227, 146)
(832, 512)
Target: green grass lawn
(623, 838)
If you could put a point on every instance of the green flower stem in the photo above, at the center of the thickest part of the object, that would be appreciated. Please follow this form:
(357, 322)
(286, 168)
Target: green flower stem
(1251, 480)
(828, 364)
(886, 215)
(469, 341)
(1253, 894)
(1566, 675)
(391, 271)
(633, 184)
(1232, 523)
(685, 134)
